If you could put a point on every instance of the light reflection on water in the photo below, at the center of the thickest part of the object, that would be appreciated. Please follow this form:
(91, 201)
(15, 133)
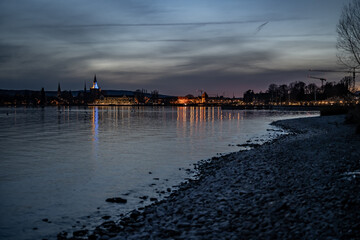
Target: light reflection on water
(62, 163)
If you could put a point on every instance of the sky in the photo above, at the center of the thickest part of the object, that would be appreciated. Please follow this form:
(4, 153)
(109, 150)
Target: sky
(223, 47)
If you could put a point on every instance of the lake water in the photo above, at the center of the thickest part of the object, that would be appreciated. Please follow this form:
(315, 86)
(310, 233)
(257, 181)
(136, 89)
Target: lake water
(60, 164)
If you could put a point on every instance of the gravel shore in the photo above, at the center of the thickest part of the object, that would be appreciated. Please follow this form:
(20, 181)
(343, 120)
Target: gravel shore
(304, 185)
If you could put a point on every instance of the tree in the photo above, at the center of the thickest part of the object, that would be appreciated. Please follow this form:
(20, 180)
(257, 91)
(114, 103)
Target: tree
(249, 96)
(42, 97)
(273, 92)
(284, 92)
(348, 30)
(311, 90)
(140, 96)
(297, 91)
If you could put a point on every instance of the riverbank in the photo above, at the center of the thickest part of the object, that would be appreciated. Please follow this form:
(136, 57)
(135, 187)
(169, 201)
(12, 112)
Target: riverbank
(301, 186)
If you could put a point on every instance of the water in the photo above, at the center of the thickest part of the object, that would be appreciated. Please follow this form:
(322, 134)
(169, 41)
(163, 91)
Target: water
(60, 164)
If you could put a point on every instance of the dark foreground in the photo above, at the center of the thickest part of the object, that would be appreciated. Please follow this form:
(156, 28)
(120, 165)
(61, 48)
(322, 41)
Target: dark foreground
(302, 186)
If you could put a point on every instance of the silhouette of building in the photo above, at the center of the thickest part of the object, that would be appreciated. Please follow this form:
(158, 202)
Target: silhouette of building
(95, 90)
(59, 91)
(95, 85)
(204, 97)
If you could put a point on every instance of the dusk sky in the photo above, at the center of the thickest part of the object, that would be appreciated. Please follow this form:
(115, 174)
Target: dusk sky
(177, 47)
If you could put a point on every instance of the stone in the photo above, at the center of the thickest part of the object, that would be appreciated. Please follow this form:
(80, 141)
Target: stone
(116, 200)
(80, 233)
(134, 214)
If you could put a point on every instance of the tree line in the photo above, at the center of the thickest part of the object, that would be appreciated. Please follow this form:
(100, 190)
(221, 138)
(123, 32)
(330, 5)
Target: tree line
(300, 91)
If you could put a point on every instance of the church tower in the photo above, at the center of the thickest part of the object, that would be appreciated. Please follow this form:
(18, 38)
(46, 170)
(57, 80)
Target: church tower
(59, 91)
(95, 84)
(95, 90)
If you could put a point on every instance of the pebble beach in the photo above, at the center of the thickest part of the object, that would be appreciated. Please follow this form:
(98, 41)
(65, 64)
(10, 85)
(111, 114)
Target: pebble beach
(303, 185)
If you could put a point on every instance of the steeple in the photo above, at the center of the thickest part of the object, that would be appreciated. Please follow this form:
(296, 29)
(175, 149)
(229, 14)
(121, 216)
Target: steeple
(84, 87)
(95, 85)
(59, 90)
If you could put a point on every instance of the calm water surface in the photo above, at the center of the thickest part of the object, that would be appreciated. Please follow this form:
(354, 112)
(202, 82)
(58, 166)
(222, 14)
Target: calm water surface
(62, 163)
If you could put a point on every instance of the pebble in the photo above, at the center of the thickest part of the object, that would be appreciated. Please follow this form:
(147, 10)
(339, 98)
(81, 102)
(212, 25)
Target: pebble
(116, 200)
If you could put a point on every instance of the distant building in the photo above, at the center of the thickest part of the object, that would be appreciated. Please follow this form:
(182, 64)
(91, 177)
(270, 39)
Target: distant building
(118, 101)
(95, 90)
(204, 97)
(95, 86)
(59, 91)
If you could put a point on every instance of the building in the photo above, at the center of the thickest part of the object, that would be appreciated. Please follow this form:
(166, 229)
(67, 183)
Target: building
(204, 97)
(95, 90)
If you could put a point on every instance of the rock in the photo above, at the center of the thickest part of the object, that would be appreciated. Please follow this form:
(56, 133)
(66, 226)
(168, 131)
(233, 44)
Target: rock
(62, 235)
(134, 214)
(183, 225)
(253, 145)
(153, 199)
(169, 233)
(104, 237)
(144, 197)
(105, 217)
(116, 200)
(80, 233)
(45, 220)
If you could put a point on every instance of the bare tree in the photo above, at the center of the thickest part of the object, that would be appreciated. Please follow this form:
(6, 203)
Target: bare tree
(348, 30)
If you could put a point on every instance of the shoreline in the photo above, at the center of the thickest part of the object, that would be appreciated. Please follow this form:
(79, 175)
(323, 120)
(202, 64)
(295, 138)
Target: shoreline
(268, 193)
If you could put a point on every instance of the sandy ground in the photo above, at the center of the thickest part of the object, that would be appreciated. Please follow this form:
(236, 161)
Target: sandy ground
(301, 186)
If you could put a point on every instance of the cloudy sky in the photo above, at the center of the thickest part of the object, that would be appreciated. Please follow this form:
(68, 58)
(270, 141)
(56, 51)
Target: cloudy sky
(177, 47)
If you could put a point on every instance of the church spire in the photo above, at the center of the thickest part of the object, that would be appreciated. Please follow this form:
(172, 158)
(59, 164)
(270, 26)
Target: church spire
(95, 85)
(59, 90)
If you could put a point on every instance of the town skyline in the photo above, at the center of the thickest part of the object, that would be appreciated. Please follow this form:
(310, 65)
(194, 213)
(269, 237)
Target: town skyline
(175, 48)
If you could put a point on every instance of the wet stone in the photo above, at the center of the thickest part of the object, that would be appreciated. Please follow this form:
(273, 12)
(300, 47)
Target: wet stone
(80, 233)
(116, 200)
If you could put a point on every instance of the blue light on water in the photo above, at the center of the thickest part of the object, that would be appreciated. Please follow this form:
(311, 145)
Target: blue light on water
(95, 124)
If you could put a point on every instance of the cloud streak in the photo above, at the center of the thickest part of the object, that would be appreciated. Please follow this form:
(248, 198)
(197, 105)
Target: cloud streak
(261, 27)
(105, 25)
